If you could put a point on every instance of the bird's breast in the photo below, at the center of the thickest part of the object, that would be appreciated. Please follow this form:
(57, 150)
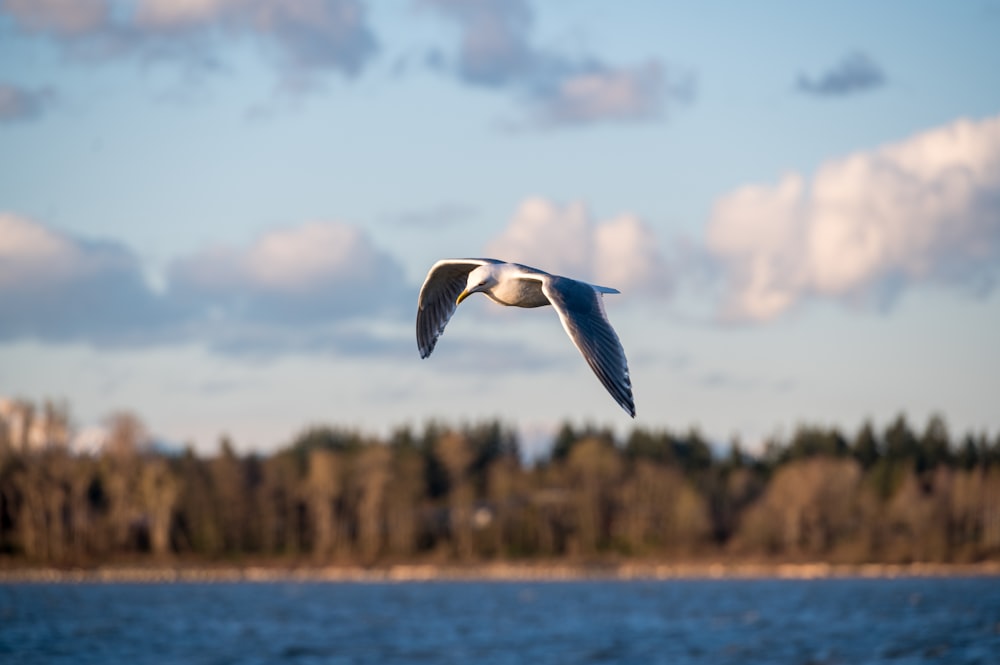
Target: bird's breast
(518, 293)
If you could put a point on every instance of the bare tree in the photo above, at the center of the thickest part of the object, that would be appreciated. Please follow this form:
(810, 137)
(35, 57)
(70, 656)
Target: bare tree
(323, 488)
(231, 493)
(159, 490)
(809, 508)
(455, 453)
(595, 468)
(404, 498)
(373, 473)
(127, 435)
(660, 511)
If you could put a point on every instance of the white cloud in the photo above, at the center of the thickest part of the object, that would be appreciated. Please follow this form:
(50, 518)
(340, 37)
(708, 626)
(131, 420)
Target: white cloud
(600, 94)
(179, 13)
(542, 233)
(319, 287)
(316, 271)
(303, 36)
(307, 33)
(60, 17)
(54, 286)
(626, 252)
(25, 247)
(621, 253)
(924, 209)
(496, 50)
(494, 46)
(35, 256)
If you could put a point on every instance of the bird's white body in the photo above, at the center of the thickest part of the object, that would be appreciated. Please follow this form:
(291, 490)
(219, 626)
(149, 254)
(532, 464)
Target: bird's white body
(504, 284)
(450, 281)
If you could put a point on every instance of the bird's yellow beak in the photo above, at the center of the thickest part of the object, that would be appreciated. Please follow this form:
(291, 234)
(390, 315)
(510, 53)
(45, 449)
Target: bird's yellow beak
(462, 296)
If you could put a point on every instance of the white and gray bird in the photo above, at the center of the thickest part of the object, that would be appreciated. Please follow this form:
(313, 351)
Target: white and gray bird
(578, 304)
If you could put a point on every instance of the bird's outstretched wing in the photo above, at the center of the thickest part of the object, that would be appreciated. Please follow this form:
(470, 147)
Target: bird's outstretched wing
(581, 311)
(436, 302)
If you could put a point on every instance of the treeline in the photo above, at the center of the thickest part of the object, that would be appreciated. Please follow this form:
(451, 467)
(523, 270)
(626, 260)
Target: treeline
(463, 494)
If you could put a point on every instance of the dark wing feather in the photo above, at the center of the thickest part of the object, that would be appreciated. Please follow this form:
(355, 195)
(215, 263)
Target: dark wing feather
(582, 314)
(436, 302)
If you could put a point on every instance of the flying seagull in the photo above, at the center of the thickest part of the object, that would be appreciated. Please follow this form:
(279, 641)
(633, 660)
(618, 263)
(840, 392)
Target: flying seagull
(578, 304)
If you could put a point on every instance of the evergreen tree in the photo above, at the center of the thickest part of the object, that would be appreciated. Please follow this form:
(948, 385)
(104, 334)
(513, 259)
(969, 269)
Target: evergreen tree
(934, 445)
(865, 448)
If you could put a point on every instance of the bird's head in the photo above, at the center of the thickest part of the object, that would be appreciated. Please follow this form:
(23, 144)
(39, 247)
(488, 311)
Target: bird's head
(480, 279)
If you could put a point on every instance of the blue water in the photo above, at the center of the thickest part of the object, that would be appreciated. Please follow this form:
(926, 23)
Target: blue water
(897, 621)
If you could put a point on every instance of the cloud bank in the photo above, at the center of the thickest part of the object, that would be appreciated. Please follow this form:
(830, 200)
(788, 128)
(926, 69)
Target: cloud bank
(861, 230)
(301, 288)
(867, 226)
(319, 286)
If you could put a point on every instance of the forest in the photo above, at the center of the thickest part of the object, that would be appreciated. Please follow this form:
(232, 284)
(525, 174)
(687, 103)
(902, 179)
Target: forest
(453, 494)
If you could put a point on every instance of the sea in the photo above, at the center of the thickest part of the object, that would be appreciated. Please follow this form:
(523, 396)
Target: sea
(821, 621)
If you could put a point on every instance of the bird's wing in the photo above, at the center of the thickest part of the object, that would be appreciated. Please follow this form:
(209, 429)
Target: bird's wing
(436, 302)
(581, 311)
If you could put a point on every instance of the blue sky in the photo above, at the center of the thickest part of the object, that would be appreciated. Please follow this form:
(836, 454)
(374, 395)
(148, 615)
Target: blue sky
(218, 213)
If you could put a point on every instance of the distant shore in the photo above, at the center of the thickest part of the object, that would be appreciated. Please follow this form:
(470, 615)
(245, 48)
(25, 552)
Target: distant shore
(486, 572)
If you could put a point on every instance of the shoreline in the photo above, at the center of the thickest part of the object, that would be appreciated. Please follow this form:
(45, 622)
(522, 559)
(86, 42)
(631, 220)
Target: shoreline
(491, 572)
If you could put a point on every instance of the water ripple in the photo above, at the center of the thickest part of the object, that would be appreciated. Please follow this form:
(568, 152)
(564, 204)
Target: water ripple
(898, 621)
